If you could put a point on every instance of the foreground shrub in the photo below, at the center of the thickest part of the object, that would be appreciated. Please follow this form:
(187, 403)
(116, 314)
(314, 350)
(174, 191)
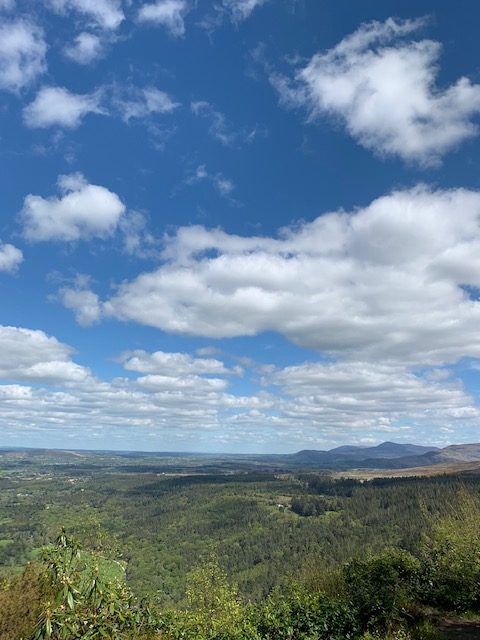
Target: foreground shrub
(382, 588)
(91, 600)
(304, 615)
(214, 612)
(72, 594)
(21, 599)
(451, 559)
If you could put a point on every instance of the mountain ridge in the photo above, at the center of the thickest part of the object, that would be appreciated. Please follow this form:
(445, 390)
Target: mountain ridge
(389, 455)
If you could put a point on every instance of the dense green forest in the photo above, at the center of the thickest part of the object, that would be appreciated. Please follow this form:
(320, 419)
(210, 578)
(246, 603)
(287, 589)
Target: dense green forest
(191, 550)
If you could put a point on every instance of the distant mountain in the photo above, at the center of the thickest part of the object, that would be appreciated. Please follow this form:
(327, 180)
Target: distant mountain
(348, 455)
(459, 453)
(384, 450)
(388, 455)
(455, 453)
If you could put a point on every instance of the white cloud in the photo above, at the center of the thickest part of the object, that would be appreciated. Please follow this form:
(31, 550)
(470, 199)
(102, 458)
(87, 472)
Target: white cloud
(87, 48)
(167, 363)
(176, 398)
(220, 128)
(82, 211)
(28, 355)
(236, 11)
(167, 13)
(224, 186)
(7, 5)
(22, 54)
(10, 257)
(185, 384)
(358, 398)
(382, 86)
(85, 304)
(137, 240)
(107, 14)
(132, 103)
(371, 388)
(56, 106)
(240, 10)
(395, 281)
(170, 402)
(191, 410)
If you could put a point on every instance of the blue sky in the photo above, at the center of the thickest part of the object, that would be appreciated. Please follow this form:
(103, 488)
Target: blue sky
(239, 225)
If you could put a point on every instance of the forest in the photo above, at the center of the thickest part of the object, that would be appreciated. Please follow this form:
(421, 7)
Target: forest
(177, 547)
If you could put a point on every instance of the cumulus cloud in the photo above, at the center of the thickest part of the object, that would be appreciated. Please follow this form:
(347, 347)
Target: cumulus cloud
(29, 355)
(185, 384)
(137, 239)
(375, 388)
(193, 412)
(179, 396)
(86, 48)
(167, 363)
(56, 106)
(107, 14)
(10, 257)
(396, 280)
(82, 211)
(355, 398)
(381, 84)
(22, 54)
(168, 401)
(84, 303)
(133, 103)
(166, 13)
(176, 396)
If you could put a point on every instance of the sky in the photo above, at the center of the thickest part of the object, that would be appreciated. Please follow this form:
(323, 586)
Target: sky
(247, 226)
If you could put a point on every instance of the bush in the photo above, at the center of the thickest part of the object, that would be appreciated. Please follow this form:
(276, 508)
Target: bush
(214, 611)
(72, 594)
(451, 559)
(304, 615)
(382, 587)
(21, 600)
(90, 598)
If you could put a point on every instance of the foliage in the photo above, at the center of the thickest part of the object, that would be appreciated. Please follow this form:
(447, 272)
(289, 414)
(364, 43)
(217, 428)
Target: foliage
(352, 562)
(310, 505)
(382, 587)
(21, 602)
(451, 556)
(232, 508)
(305, 615)
(87, 602)
(73, 594)
(214, 612)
